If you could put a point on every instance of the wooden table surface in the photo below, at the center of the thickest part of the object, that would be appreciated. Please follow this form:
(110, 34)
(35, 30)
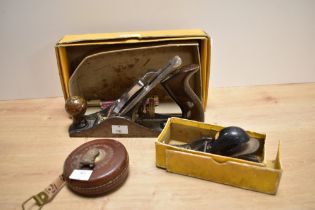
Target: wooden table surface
(34, 144)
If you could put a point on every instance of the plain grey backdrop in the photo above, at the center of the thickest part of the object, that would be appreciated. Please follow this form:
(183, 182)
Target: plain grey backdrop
(255, 42)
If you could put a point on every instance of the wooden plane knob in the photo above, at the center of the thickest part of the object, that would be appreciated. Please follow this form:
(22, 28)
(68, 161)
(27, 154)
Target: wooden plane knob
(76, 107)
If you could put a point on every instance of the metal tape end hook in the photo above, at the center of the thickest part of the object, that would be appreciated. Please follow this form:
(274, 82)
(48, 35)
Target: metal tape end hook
(37, 202)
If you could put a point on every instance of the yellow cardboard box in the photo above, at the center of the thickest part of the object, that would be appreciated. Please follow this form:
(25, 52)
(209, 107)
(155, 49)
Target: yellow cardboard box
(72, 49)
(262, 177)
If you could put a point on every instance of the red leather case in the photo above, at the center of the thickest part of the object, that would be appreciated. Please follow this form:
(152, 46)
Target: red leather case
(110, 170)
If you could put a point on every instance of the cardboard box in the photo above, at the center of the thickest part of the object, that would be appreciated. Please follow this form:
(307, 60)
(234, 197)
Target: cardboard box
(123, 57)
(262, 177)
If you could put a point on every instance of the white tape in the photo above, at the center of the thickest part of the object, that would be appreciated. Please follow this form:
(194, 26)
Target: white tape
(83, 175)
(130, 35)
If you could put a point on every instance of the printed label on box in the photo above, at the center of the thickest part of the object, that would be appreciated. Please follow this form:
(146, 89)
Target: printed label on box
(119, 129)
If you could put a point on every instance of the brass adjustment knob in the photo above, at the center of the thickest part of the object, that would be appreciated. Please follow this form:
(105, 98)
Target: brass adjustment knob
(76, 107)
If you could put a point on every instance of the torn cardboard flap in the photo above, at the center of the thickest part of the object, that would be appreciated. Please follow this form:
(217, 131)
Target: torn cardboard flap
(106, 75)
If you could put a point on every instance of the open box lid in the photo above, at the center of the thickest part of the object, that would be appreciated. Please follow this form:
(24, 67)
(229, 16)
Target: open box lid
(130, 39)
(133, 36)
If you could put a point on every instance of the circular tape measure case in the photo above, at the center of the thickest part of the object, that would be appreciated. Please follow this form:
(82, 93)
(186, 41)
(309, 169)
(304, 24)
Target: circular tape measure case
(108, 160)
(92, 169)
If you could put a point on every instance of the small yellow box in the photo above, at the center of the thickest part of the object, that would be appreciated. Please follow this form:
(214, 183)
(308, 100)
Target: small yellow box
(73, 49)
(262, 177)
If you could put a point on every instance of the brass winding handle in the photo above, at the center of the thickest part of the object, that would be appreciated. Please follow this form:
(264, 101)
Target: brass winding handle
(88, 159)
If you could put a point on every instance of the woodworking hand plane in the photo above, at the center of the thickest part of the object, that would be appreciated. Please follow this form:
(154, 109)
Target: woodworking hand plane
(133, 114)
